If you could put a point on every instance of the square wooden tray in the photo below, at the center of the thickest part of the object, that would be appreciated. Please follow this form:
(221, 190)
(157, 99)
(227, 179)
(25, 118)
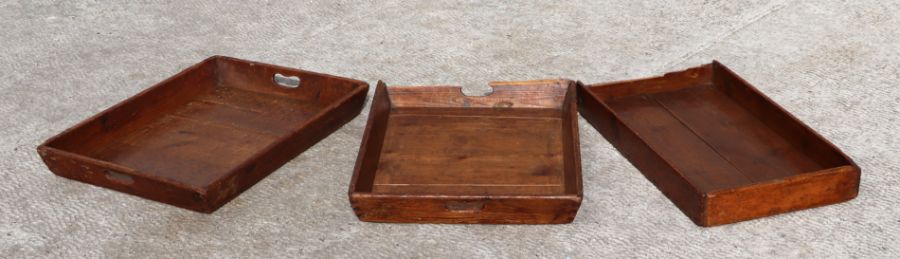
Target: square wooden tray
(717, 147)
(203, 136)
(433, 155)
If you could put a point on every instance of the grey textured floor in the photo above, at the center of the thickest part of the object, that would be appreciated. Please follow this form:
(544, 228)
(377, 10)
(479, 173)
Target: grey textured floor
(834, 64)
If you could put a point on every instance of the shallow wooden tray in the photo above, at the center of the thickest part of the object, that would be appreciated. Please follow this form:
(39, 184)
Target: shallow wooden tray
(434, 155)
(203, 136)
(717, 147)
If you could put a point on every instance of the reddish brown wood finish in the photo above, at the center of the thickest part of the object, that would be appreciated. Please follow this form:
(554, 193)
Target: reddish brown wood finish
(434, 155)
(717, 147)
(203, 136)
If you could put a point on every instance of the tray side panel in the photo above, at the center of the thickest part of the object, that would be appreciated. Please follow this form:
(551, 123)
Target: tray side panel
(669, 82)
(372, 141)
(571, 142)
(253, 76)
(796, 193)
(656, 169)
(114, 177)
(524, 94)
(534, 210)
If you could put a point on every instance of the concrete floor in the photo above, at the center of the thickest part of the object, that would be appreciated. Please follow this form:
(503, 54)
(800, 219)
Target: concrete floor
(834, 64)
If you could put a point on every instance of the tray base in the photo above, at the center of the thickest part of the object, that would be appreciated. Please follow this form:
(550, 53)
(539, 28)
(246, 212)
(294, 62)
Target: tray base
(701, 123)
(435, 153)
(235, 123)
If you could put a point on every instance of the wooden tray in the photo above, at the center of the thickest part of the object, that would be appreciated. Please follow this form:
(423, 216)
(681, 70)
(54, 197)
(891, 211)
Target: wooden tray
(203, 136)
(717, 147)
(434, 155)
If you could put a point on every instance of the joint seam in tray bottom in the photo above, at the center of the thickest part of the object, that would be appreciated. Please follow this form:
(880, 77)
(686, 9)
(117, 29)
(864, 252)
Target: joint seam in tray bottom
(712, 147)
(706, 142)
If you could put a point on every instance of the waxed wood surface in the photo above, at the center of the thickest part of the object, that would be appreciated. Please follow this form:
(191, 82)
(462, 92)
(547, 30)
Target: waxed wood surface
(715, 133)
(208, 133)
(434, 155)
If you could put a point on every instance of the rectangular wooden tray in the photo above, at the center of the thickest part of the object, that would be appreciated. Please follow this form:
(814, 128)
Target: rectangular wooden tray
(717, 147)
(203, 136)
(433, 155)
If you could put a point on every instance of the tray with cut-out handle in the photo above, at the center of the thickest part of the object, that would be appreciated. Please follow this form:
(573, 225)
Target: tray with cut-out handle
(431, 154)
(203, 136)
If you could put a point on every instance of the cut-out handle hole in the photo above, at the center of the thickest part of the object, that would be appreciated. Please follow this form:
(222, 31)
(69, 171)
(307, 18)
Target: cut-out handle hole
(464, 206)
(503, 104)
(119, 178)
(286, 81)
